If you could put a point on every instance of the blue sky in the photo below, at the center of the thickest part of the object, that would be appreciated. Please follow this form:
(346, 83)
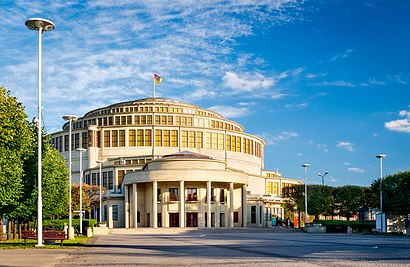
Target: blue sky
(323, 82)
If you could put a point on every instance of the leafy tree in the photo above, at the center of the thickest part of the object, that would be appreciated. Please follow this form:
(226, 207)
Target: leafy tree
(90, 197)
(396, 193)
(320, 200)
(14, 142)
(349, 199)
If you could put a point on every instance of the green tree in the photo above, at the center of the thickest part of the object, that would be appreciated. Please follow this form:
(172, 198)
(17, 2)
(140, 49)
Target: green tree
(349, 199)
(14, 142)
(396, 193)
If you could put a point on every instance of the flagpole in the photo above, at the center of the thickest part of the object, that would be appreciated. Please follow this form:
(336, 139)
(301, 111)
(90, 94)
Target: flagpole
(154, 88)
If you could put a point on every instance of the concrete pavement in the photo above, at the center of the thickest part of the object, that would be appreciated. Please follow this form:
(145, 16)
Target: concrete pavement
(220, 247)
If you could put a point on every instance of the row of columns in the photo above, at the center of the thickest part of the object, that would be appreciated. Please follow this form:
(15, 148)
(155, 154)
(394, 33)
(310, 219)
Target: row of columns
(134, 196)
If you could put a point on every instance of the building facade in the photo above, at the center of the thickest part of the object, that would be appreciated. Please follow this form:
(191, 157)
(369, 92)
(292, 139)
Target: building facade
(170, 164)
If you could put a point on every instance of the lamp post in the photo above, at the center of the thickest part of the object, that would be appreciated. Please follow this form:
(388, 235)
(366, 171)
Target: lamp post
(305, 166)
(81, 150)
(323, 177)
(40, 25)
(70, 118)
(381, 157)
(100, 162)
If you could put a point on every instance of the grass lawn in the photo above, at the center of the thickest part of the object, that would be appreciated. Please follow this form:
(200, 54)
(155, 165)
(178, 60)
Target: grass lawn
(31, 243)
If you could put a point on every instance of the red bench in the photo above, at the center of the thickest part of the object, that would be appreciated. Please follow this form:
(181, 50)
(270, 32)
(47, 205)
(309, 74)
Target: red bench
(47, 235)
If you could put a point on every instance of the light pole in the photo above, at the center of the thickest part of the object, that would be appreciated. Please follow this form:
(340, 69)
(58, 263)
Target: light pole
(70, 118)
(323, 177)
(305, 166)
(81, 150)
(40, 25)
(381, 157)
(100, 162)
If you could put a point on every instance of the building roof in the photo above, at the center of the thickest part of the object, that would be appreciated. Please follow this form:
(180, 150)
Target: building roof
(186, 155)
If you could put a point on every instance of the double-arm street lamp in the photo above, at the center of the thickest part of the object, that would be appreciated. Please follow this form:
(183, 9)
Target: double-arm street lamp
(70, 118)
(382, 225)
(323, 177)
(40, 25)
(305, 166)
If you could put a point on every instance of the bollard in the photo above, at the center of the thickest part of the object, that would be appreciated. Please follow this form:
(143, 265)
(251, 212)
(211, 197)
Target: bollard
(89, 232)
(349, 230)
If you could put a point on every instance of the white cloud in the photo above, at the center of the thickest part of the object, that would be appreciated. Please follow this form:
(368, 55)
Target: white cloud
(376, 82)
(280, 137)
(346, 145)
(247, 82)
(231, 112)
(400, 125)
(345, 54)
(84, 59)
(334, 83)
(358, 170)
(347, 164)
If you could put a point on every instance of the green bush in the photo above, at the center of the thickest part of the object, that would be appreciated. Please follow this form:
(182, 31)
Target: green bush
(59, 224)
(335, 226)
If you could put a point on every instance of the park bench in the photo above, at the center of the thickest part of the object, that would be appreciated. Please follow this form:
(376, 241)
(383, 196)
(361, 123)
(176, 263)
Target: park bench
(47, 235)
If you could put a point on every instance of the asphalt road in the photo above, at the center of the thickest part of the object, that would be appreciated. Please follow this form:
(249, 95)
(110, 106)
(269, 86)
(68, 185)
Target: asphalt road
(233, 248)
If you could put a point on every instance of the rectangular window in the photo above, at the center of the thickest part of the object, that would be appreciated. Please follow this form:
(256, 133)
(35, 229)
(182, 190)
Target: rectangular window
(148, 138)
(110, 180)
(184, 139)
(158, 137)
(93, 179)
(115, 212)
(143, 119)
(192, 194)
(123, 120)
(105, 180)
(122, 138)
(131, 137)
(120, 177)
(114, 136)
(84, 140)
(157, 121)
(253, 214)
(191, 139)
(233, 143)
(129, 120)
(275, 189)
(228, 142)
(140, 137)
(66, 142)
(149, 119)
(214, 141)
(269, 188)
(177, 120)
(174, 138)
(235, 217)
(173, 194)
(238, 144)
(76, 140)
(166, 138)
(208, 140)
(220, 142)
(222, 196)
(199, 139)
(174, 220)
(191, 219)
(137, 120)
(260, 214)
(169, 119)
(105, 213)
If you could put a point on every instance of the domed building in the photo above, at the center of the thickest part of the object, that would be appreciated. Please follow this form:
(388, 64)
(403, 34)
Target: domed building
(166, 163)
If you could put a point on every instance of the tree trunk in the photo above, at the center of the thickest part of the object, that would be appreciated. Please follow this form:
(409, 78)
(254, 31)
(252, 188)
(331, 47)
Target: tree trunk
(8, 229)
(14, 230)
(20, 230)
(1, 230)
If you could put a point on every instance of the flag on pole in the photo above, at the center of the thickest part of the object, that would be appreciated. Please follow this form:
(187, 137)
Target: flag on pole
(157, 79)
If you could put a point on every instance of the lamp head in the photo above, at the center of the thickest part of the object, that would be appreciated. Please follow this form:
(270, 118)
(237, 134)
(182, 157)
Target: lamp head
(305, 165)
(36, 24)
(381, 156)
(80, 149)
(70, 117)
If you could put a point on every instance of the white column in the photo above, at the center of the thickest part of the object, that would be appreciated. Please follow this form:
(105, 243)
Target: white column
(182, 205)
(127, 209)
(135, 204)
(231, 206)
(154, 205)
(244, 207)
(208, 204)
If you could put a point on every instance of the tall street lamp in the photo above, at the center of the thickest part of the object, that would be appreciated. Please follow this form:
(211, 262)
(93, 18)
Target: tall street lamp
(81, 150)
(70, 118)
(305, 166)
(323, 177)
(40, 25)
(381, 157)
(100, 162)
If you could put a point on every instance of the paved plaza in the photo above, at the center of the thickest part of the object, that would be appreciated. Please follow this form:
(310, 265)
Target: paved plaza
(221, 247)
